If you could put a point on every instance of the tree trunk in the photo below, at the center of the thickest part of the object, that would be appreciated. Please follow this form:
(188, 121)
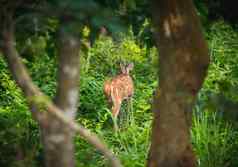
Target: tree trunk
(49, 116)
(57, 137)
(183, 59)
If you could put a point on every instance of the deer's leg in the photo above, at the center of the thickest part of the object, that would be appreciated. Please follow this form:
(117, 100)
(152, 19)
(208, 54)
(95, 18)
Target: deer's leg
(116, 109)
(115, 112)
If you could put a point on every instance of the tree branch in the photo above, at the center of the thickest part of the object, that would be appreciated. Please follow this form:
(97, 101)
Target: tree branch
(33, 94)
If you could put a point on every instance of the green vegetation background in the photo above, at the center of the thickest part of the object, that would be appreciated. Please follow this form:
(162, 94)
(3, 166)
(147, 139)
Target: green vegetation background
(214, 132)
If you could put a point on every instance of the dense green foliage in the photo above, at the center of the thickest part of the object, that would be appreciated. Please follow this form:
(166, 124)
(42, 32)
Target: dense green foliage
(214, 131)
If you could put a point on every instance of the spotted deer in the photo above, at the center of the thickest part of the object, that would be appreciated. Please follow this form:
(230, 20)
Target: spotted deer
(119, 88)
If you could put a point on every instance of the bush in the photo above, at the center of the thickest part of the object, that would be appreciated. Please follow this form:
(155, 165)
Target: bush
(214, 140)
(213, 137)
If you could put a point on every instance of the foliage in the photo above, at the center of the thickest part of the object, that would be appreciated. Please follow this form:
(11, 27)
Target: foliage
(211, 10)
(214, 139)
(213, 134)
(18, 132)
(215, 120)
(223, 48)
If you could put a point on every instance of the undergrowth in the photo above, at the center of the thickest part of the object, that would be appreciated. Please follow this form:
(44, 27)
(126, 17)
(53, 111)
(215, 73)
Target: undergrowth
(214, 130)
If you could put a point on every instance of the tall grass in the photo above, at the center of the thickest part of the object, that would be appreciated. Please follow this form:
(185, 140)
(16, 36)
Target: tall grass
(213, 139)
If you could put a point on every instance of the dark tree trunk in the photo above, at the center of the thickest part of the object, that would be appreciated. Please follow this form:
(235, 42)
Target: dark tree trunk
(183, 59)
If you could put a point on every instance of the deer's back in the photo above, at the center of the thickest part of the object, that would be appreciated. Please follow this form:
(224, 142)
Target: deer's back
(120, 87)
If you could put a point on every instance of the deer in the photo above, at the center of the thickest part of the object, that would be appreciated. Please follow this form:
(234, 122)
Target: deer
(119, 88)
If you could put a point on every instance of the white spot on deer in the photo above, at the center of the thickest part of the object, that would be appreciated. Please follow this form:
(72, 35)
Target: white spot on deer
(117, 94)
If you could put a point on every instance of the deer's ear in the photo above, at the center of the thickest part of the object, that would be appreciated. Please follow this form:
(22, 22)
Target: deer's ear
(130, 66)
(123, 69)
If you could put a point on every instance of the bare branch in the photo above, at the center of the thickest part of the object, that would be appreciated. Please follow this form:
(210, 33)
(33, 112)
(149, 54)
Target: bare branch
(33, 94)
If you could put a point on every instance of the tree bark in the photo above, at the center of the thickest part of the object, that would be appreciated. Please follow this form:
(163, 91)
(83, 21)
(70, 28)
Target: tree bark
(57, 137)
(183, 60)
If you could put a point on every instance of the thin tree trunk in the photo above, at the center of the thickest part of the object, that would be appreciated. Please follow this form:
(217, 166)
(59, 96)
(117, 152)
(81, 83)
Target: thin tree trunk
(183, 60)
(57, 137)
(43, 110)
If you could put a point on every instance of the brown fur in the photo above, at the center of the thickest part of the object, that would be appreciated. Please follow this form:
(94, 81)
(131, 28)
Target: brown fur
(119, 88)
